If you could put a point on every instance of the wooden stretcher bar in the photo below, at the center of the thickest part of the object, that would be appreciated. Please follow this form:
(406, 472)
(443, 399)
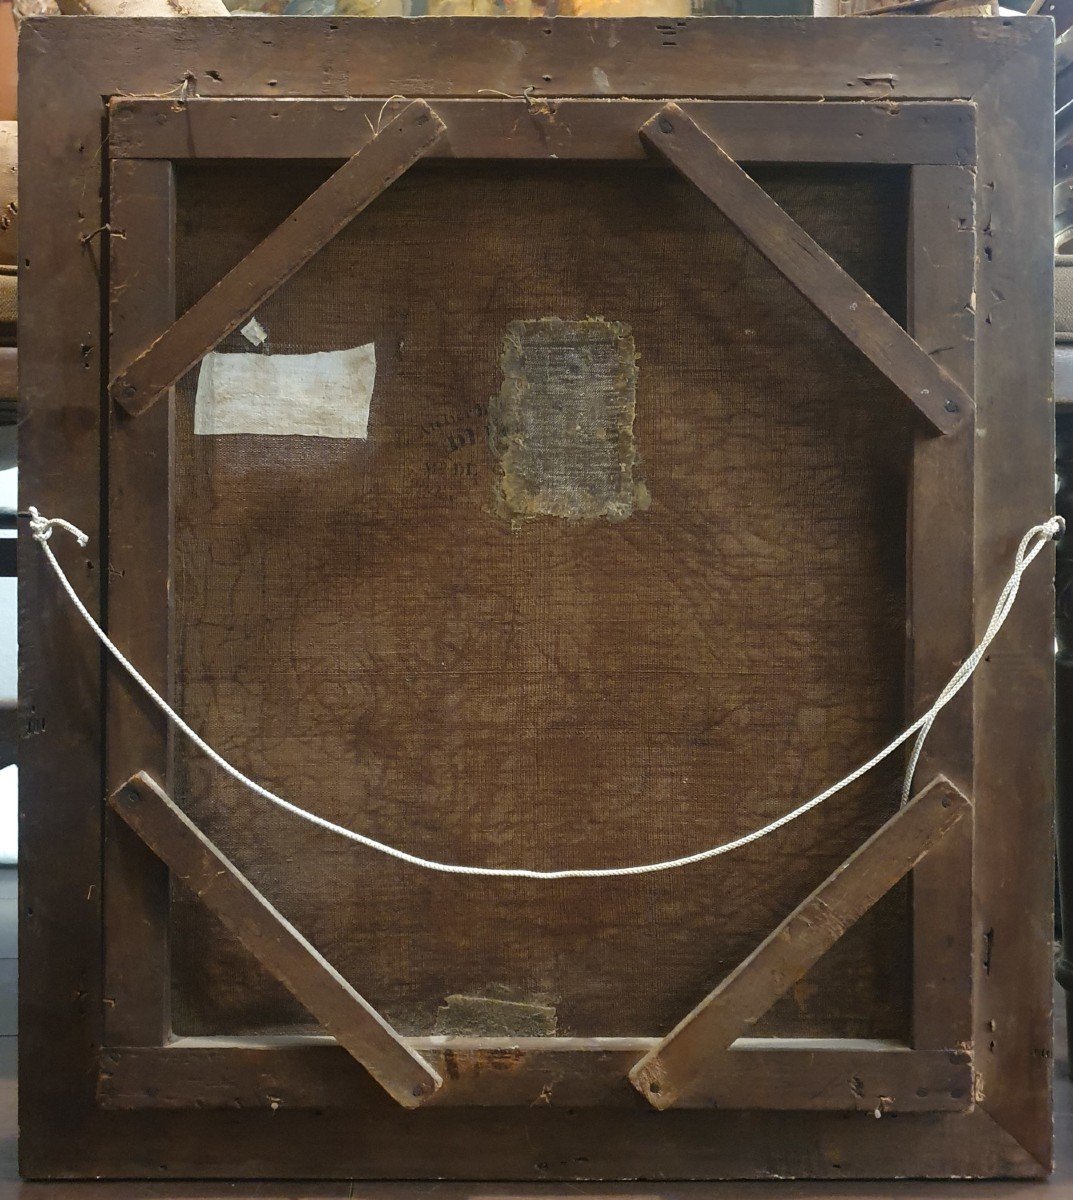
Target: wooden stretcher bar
(942, 401)
(273, 940)
(388, 154)
(681, 1070)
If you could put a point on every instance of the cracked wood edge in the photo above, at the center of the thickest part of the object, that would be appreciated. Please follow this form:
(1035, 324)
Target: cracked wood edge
(941, 400)
(273, 941)
(402, 141)
(676, 1072)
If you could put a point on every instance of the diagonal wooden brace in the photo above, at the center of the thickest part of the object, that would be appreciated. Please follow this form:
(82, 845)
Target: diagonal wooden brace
(681, 1071)
(274, 942)
(940, 398)
(402, 141)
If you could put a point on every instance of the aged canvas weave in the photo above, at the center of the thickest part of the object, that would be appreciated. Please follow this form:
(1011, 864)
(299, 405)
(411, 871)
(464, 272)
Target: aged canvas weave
(365, 633)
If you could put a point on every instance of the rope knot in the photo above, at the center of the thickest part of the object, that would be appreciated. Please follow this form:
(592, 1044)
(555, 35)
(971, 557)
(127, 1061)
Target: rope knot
(42, 527)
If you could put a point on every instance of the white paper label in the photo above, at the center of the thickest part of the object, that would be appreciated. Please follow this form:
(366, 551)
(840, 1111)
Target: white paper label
(254, 332)
(326, 394)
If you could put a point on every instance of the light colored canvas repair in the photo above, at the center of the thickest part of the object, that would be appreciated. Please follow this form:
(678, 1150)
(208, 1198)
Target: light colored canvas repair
(561, 427)
(326, 394)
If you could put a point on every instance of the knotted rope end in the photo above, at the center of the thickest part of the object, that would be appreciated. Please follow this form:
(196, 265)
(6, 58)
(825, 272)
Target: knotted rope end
(41, 528)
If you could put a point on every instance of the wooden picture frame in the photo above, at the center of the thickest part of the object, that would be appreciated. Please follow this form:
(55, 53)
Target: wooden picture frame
(105, 1088)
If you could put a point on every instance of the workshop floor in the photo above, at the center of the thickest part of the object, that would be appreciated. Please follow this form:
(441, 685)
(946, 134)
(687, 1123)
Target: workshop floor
(1058, 1187)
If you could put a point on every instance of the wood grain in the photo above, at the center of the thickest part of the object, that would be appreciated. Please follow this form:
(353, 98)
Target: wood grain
(278, 946)
(1013, 698)
(940, 596)
(390, 152)
(675, 1071)
(568, 127)
(768, 1074)
(137, 955)
(1001, 68)
(941, 400)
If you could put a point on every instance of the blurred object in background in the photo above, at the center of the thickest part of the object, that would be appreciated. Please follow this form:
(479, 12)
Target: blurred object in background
(632, 8)
(920, 8)
(34, 8)
(517, 8)
(8, 57)
(9, 187)
(143, 8)
(9, 251)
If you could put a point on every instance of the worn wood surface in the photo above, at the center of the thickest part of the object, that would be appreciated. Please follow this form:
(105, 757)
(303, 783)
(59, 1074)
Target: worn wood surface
(195, 862)
(389, 152)
(942, 626)
(940, 399)
(1001, 67)
(675, 1072)
(1013, 764)
(1063, 717)
(392, 57)
(873, 132)
(137, 954)
(60, 752)
(782, 1075)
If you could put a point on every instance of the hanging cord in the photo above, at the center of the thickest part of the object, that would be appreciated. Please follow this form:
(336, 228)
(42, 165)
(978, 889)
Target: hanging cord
(1031, 544)
(1037, 537)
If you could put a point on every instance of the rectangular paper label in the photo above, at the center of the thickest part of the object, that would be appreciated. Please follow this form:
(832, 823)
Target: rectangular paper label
(325, 394)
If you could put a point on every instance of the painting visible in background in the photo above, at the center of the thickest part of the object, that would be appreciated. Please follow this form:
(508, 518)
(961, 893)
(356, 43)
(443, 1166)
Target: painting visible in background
(519, 8)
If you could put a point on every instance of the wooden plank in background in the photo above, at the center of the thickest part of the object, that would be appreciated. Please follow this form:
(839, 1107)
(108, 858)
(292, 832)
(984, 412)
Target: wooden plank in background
(390, 152)
(9, 372)
(276, 944)
(941, 400)
(678, 1068)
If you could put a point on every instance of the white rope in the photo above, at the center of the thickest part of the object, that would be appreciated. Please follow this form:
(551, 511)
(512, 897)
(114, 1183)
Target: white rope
(1031, 544)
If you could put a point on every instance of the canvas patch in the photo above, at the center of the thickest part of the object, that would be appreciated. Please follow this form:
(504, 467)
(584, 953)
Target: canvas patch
(561, 427)
(491, 1016)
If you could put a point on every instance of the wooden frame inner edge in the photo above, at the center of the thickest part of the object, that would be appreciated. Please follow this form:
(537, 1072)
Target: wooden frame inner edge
(915, 132)
(777, 1074)
(940, 1089)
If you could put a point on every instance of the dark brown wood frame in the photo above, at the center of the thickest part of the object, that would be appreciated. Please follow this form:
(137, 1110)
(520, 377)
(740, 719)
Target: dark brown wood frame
(866, 1078)
(968, 114)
